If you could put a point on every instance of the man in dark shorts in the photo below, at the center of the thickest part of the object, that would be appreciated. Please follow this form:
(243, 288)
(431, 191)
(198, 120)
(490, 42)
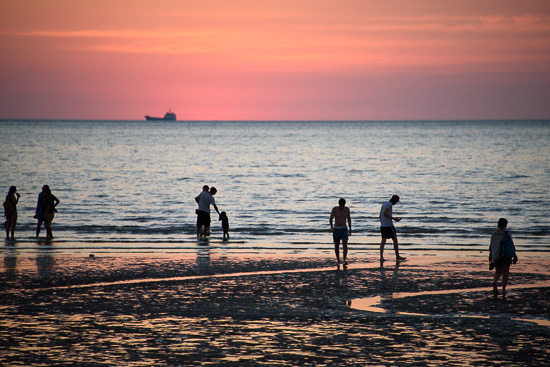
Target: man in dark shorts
(340, 214)
(205, 199)
(200, 216)
(387, 228)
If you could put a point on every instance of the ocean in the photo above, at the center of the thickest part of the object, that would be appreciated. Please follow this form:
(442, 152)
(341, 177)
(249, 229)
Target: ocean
(129, 186)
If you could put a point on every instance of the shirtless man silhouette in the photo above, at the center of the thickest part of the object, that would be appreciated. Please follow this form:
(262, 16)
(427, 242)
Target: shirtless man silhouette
(340, 215)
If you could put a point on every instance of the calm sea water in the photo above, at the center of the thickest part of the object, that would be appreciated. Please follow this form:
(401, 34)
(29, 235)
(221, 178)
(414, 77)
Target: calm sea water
(127, 185)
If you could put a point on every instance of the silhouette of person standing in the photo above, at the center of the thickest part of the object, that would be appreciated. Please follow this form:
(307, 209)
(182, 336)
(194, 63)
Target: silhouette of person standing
(10, 212)
(340, 232)
(205, 199)
(502, 253)
(39, 212)
(50, 202)
(387, 229)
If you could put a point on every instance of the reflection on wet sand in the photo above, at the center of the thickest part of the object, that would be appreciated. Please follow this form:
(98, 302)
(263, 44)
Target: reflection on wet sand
(45, 261)
(10, 262)
(271, 311)
(203, 257)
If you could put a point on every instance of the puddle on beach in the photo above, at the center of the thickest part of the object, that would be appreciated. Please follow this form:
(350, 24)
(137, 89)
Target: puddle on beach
(376, 303)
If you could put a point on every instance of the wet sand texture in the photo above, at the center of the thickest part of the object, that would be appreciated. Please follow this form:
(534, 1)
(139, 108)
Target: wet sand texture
(144, 311)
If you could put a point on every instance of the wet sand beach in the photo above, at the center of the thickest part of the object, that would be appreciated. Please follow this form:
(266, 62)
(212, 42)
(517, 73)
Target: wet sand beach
(271, 310)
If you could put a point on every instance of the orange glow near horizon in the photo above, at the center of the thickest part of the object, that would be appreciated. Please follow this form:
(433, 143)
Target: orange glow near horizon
(275, 59)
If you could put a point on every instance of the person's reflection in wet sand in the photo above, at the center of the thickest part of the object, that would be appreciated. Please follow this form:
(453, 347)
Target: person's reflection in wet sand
(45, 261)
(388, 284)
(203, 258)
(343, 285)
(340, 283)
(10, 263)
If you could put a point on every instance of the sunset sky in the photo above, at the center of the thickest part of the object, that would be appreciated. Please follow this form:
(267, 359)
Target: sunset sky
(275, 59)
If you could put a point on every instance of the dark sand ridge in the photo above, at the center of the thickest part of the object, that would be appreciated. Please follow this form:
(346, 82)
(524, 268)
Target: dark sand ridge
(270, 310)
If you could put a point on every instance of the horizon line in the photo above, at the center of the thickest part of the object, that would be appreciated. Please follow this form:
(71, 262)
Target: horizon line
(283, 120)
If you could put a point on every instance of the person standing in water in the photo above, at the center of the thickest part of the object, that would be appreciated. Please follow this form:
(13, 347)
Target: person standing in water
(340, 215)
(39, 212)
(50, 202)
(200, 216)
(203, 221)
(10, 211)
(225, 225)
(387, 229)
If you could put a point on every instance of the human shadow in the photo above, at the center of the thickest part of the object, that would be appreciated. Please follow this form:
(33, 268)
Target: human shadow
(389, 277)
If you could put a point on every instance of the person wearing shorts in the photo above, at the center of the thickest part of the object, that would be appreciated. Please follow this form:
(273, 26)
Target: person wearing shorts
(201, 218)
(387, 229)
(203, 221)
(205, 199)
(340, 215)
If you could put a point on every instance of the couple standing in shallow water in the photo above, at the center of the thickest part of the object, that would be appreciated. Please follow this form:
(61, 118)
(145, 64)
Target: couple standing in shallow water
(341, 216)
(45, 211)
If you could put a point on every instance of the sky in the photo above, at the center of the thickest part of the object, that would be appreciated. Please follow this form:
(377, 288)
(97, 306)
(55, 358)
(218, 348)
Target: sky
(275, 59)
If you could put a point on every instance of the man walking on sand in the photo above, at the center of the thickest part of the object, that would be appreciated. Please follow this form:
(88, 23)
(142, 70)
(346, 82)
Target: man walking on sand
(340, 214)
(387, 228)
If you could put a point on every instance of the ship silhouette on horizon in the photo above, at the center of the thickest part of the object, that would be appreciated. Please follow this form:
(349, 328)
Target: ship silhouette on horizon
(168, 116)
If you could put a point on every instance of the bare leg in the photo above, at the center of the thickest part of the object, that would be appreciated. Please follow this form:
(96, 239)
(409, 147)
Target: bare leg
(396, 249)
(345, 252)
(11, 224)
(498, 271)
(337, 252)
(505, 274)
(48, 225)
(39, 227)
(382, 244)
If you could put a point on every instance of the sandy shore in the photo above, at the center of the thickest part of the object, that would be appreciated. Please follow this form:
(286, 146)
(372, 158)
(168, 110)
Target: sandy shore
(271, 310)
